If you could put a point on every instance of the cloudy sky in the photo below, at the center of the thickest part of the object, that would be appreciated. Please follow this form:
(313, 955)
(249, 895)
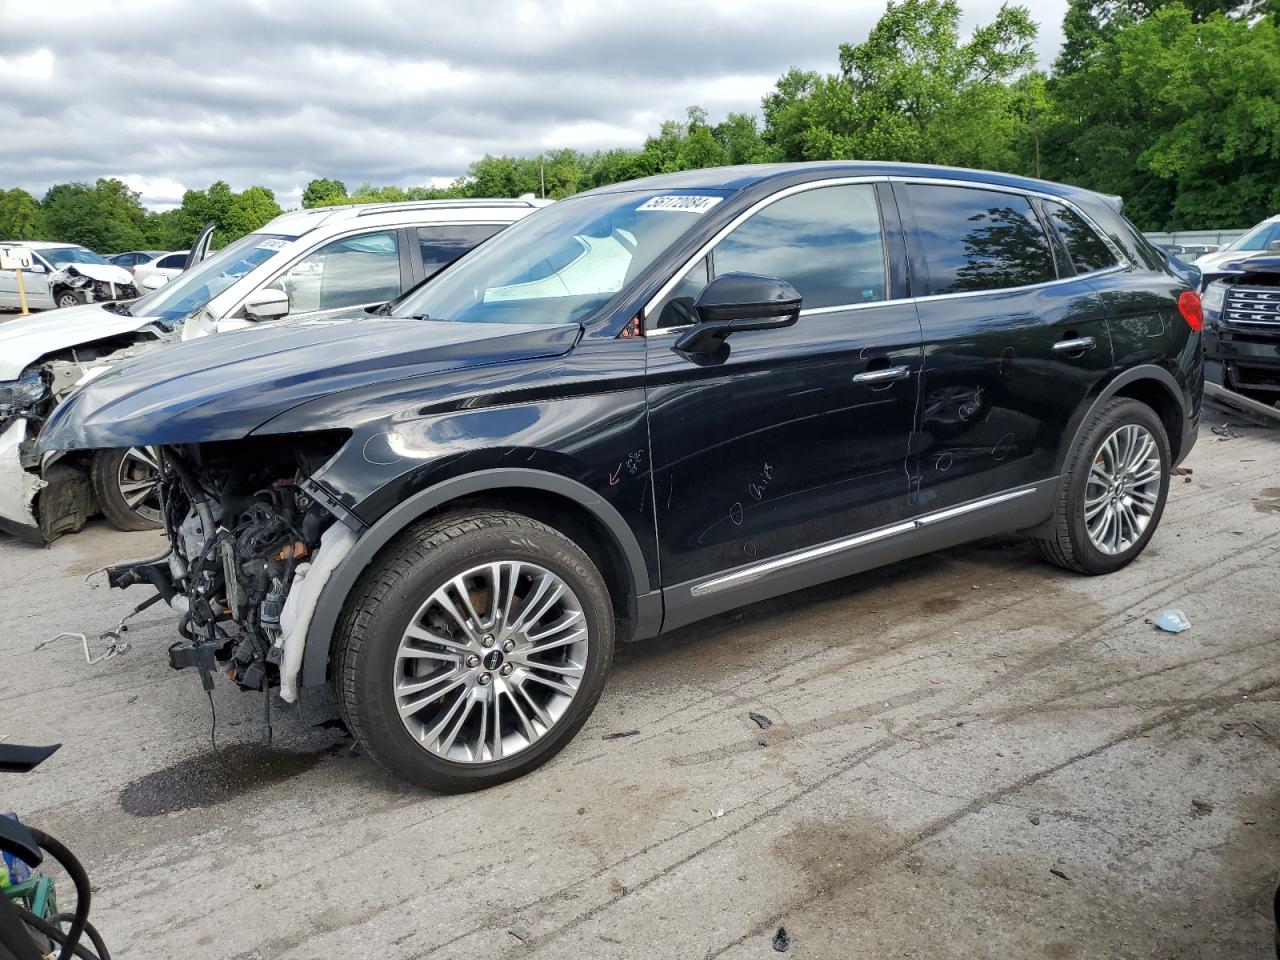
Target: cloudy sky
(172, 95)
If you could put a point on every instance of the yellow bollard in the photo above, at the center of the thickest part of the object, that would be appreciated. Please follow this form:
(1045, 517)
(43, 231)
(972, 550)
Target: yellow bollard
(22, 294)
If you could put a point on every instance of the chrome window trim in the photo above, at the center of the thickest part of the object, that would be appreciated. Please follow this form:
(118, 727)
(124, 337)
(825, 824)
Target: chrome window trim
(1122, 262)
(758, 571)
(742, 218)
(1121, 259)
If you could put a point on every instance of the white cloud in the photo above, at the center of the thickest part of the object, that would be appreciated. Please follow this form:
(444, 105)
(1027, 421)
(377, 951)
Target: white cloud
(388, 92)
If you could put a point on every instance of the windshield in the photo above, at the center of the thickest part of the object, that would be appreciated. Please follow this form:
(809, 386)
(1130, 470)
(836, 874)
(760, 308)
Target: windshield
(563, 263)
(191, 291)
(1258, 237)
(61, 256)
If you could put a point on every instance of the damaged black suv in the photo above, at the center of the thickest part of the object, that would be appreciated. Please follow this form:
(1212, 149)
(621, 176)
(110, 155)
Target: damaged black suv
(642, 406)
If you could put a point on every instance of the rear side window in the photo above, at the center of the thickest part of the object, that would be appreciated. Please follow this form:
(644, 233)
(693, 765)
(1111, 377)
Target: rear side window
(826, 242)
(1087, 250)
(173, 262)
(443, 244)
(979, 239)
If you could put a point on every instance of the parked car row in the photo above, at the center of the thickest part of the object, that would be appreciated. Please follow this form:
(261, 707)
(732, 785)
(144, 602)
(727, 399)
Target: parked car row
(630, 410)
(311, 263)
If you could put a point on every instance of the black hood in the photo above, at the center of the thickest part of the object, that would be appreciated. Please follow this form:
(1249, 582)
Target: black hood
(224, 386)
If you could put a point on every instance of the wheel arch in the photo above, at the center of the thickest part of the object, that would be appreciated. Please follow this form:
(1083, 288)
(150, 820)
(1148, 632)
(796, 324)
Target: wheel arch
(1148, 384)
(574, 509)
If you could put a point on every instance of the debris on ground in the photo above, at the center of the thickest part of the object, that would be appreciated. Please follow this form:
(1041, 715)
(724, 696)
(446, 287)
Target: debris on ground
(1202, 808)
(1182, 471)
(935, 681)
(620, 734)
(1059, 874)
(520, 933)
(1035, 821)
(782, 940)
(763, 722)
(1173, 621)
(1226, 432)
(717, 814)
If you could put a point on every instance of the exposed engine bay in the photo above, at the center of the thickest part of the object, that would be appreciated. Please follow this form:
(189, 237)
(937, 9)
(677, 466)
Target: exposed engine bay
(250, 551)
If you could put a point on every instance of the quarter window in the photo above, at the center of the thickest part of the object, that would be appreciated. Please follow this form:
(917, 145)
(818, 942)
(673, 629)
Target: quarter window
(1088, 251)
(979, 239)
(344, 273)
(443, 244)
(173, 262)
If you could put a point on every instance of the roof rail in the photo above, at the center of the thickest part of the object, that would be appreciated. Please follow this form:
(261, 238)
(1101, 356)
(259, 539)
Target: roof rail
(392, 207)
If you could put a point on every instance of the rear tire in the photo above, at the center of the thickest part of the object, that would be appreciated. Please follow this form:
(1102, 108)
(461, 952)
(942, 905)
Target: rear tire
(408, 676)
(1101, 522)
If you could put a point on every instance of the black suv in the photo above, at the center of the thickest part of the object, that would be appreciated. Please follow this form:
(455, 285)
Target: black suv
(642, 406)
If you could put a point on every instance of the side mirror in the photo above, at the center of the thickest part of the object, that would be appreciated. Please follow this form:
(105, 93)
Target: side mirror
(1273, 246)
(154, 282)
(36, 268)
(266, 304)
(735, 302)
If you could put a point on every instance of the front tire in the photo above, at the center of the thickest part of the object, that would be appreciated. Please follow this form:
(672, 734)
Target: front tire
(1112, 494)
(67, 298)
(127, 485)
(473, 650)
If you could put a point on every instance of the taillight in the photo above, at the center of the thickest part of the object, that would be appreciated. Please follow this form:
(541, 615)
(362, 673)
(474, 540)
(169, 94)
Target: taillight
(1192, 312)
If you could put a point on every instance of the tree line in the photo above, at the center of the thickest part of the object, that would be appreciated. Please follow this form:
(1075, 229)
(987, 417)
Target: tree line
(1172, 104)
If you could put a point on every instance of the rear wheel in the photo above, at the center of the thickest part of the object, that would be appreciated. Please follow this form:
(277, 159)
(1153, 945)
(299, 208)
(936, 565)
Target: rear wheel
(474, 650)
(1112, 495)
(127, 485)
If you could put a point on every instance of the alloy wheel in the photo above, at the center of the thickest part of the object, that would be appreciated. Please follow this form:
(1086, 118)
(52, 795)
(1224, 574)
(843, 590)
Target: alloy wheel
(1123, 489)
(138, 479)
(491, 661)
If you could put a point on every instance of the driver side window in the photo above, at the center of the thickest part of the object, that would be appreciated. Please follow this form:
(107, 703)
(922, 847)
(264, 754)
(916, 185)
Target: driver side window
(344, 273)
(827, 242)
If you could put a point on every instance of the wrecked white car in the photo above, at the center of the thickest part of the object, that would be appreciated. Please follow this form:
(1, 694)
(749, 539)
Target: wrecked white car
(313, 263)
(64, 275)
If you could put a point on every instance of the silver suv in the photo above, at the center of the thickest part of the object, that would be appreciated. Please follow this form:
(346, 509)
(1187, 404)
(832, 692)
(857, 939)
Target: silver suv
(309, 263)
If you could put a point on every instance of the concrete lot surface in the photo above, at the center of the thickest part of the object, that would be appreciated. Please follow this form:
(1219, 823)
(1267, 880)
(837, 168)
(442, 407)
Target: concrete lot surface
(971, 755)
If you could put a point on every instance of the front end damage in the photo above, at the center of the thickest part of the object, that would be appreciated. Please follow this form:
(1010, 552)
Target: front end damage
(251, 547)
(93, 283)
(43, 498)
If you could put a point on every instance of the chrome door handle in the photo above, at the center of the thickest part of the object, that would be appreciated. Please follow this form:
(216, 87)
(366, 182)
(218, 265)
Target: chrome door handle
(883, 375)
(1071, 346)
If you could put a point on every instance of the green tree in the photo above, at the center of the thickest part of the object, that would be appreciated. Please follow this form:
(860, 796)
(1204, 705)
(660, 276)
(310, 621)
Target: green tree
(20, 215)
(324, 193)
(107, 217)
(250, 210)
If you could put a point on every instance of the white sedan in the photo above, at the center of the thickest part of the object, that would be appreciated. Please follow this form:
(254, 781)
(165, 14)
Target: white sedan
(164, 267)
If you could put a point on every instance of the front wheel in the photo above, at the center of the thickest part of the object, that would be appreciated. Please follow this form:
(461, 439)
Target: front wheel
(67, 298)
(473, 650)
(1113, 492)
(127, 485)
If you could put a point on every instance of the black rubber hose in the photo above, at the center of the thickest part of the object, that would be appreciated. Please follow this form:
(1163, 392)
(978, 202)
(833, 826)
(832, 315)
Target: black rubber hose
(90, 931)
(43, 926)
(81, 880)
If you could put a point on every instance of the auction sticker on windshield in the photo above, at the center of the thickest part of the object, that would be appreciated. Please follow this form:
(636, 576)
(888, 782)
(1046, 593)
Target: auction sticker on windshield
(686, 203)
(274, 244)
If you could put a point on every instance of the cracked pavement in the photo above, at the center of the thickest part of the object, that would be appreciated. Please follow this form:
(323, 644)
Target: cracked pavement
(946, 732)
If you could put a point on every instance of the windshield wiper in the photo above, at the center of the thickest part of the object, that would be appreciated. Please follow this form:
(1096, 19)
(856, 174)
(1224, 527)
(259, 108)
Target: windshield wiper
(423, 316)
(118, 306)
